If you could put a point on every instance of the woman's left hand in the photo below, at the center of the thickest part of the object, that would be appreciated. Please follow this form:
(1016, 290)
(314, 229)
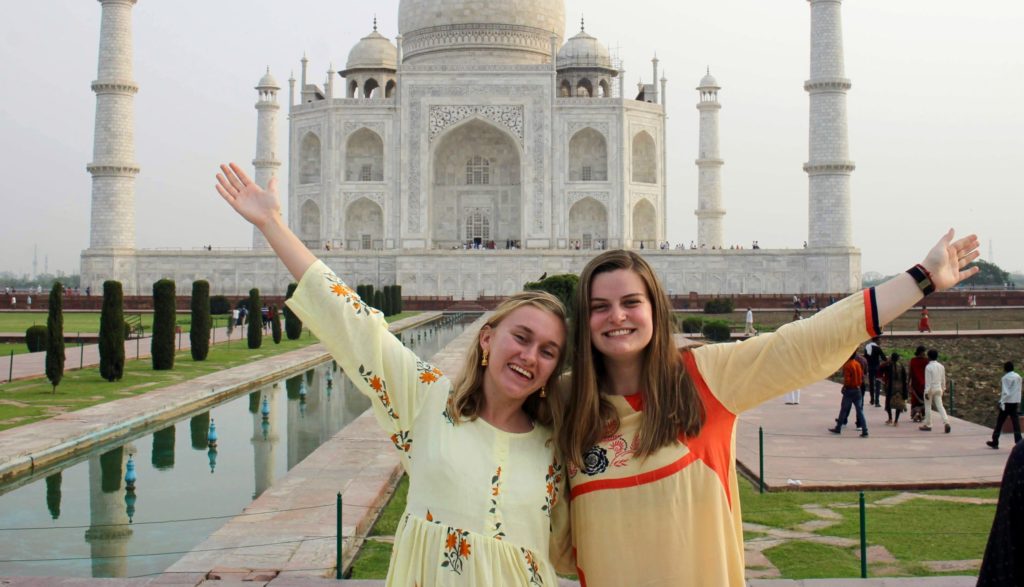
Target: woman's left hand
(948, 258)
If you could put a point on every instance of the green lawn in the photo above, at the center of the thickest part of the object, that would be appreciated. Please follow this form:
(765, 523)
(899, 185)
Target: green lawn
(29, 400)
(913, 532)
(86, 322)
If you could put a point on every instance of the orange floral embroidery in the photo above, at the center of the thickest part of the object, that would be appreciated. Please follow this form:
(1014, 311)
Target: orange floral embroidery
(428, 373)
(553, 482)
(428, 377)
(375, 383)
(464, 549)
(451, 541)
(532, 568)
(495, 514)
(430, 516)
(380, 387)
(340, 290)
(457, 549)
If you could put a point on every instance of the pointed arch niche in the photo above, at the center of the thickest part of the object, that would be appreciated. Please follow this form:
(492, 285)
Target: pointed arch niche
(364, 156)
(364, 225)
(645, 224)
(645, 159)
(588, 156)
(309, 159)
(467, 194)
(588, 223)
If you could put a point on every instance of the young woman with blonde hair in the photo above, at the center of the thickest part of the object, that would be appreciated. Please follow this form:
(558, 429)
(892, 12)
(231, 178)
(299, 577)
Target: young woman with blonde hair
(649, 431)
(485, 504)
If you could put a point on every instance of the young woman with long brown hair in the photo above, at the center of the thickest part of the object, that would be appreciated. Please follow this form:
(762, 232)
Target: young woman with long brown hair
(484, 505)
(649, 431)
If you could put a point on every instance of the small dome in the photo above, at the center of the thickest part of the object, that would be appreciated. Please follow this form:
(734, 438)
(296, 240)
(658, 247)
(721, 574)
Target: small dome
(709, 81)
(268, 81)
(374, 51)
(583, 50)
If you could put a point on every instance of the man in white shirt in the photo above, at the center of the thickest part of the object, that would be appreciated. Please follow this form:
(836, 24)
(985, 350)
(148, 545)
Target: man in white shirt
(748, 329)
(934, 385)
(1009, 401)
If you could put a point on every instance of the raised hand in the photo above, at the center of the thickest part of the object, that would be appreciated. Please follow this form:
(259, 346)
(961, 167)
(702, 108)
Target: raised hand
(947, 259)
(257, 205)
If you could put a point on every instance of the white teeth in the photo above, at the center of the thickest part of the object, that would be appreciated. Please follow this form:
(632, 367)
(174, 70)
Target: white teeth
(521, 371)
(620, 332)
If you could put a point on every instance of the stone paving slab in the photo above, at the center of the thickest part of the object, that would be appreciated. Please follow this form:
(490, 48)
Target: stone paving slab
(28, 451)
(798, 447)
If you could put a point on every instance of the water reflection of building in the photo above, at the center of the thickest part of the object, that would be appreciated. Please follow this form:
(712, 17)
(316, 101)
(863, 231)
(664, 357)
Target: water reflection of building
(265, 434)
(109, 533)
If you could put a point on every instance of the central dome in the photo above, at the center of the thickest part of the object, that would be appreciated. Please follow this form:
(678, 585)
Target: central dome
(495, 31)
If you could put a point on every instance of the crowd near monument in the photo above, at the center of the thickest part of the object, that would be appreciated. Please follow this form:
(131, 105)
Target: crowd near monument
(476, 151)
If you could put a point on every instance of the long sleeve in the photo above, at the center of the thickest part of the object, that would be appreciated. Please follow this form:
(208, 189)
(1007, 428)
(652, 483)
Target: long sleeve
(744, 374)
(382, 368)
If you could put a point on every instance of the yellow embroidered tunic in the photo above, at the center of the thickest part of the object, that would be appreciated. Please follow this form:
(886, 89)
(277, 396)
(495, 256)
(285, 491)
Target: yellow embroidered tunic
(483, 503)
(674, 519)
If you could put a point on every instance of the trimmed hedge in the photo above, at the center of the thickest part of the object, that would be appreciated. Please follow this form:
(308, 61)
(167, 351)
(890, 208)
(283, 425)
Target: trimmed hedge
(716, 330)
(561, 286)
(275, 324)
(378, 300)
(255, 332)
(692, 325)
(164, 323)
(292, 324)
(719, 306)
(35, 338)
(219, 305)
(55, 336)
(199, 333)
(112, 327)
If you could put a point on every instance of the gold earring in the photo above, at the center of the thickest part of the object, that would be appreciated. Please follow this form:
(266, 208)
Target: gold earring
(483, 361)
(543, 392)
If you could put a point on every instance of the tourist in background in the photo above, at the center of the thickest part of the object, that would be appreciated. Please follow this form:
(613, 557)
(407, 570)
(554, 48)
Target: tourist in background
(917, 366)
(485, 503)
(853, 396)
(875, 355)
(934, 386)
(924, 325)
(1009, 402)
(649, 431)
(748, 324)
(894, 375)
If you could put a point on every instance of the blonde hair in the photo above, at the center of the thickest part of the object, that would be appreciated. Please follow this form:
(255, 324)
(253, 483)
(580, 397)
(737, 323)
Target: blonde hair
(467, 395)
(672, 406)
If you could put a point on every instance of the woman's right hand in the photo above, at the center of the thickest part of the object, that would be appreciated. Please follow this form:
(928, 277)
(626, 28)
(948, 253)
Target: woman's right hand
(257, 205)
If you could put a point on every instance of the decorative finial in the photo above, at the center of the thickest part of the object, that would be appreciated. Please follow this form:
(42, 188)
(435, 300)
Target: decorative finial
(268, 70)
(709, 70)
(582, 27)
(374, 23)
(304, 57)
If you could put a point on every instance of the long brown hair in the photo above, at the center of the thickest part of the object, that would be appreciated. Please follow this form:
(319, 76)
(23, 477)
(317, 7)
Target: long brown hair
(672, 406)
(467, 395)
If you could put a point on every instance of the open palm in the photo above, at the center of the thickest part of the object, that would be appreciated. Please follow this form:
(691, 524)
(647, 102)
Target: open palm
(257, 205)
(948, 258)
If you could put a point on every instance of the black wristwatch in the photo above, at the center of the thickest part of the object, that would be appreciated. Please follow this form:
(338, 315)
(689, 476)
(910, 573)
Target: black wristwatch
(922, 278)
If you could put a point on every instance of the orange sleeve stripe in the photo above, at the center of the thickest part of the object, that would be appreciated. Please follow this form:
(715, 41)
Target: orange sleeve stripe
(871, 313)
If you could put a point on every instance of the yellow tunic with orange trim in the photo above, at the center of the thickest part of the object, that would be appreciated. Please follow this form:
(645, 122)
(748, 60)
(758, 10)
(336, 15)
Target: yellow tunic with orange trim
(485, 506)
(673, 519)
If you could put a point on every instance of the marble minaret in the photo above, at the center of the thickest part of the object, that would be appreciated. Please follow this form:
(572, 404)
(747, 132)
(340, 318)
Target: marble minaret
(113, 166)
(709, 163)
(829, 166)
(266, 161)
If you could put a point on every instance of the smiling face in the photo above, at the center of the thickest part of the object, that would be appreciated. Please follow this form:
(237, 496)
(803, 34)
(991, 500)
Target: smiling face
(524, 349)
(621, 323)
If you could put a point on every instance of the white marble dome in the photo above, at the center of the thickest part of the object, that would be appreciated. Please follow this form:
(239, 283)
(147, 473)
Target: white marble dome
(709, 81)
(495, 31)
(584, 50)
(374, 51)
(268, 82)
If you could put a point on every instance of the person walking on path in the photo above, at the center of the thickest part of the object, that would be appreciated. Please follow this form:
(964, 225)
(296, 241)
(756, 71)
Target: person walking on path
(853, 378)
(1003, 564)
(924, 325)
(875, 355)
(1009, 402)
(748, 328)
(934, 385)
(485, 504)
(917, 365)
(894, 374)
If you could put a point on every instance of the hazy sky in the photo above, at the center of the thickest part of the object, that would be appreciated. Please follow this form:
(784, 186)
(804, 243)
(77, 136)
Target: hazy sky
(936, 113)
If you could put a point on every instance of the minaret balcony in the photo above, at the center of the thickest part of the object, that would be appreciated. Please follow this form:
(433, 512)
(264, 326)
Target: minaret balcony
(827, 84)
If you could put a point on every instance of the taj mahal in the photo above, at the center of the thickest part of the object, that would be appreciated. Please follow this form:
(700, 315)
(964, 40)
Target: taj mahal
(476, 151)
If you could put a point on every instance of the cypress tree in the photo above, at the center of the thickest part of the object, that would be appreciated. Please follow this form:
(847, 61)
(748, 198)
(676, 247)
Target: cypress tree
(398, 299)
(255, 331)
(378, 300)
(55, 336)
(199, 333)
(164, 322)
(275, 324)
(112, 332)
(292, 324)
(389, 300)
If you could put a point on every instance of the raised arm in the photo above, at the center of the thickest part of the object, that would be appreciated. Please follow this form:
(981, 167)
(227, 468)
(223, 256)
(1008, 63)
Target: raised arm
(262, 208)
(745, 374)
